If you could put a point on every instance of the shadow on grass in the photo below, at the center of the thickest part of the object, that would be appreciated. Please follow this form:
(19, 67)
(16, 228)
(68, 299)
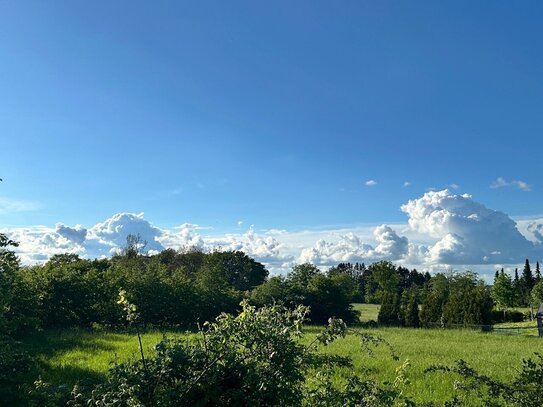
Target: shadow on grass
(45, 346)
(53, 342)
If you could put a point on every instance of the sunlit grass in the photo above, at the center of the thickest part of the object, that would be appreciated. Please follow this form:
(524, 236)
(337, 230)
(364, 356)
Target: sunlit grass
(368, 312)
(69, 356)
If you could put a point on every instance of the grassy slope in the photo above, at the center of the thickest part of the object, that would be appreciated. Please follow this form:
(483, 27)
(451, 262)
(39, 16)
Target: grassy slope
(70, 355)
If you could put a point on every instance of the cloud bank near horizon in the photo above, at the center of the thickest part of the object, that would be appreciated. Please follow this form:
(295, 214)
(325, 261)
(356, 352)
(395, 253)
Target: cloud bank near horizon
(443, 229)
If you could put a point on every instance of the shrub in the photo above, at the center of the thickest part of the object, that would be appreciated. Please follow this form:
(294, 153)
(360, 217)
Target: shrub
(253, 359)
(15, 363)
(498, 316)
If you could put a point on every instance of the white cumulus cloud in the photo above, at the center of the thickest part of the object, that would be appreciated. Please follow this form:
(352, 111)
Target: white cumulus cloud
(443, 229)
(467, 232)
(350, 248)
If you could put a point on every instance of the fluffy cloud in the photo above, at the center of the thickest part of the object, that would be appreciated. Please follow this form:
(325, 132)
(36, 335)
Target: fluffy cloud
(390, 245)
(103, 239)
(186, 237)
(266, 249)
(350, 248)
(77, 235)
(443, 228)
(536, 228)
(460, 231)
(108, 237)
(112, 232)
(467, 232)
(39, 243)
(371, 183)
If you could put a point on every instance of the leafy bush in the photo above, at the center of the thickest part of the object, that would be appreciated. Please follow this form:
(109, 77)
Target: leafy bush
(251, 359)
(15, 363)
(16, 319)
(256, 358)
(327, 295)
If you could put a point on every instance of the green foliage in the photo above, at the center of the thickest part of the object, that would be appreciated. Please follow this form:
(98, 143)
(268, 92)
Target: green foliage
(431, 312)
(469, 301)
(354, 391)
(171, 288)
(275, 289)
(459, 298)
(537, 293)
(502, 291)
(527, 276)
(330, 297)
(63, 292)
(15, 364)
(256, 358)
(498, 316)
(523, 391)
(386, 277)
(327, 295)
(16, 319)
(302, 274)
(235, 268)
(389, 313)
(410, 312)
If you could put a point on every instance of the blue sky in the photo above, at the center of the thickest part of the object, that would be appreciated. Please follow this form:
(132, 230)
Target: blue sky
(273, 114)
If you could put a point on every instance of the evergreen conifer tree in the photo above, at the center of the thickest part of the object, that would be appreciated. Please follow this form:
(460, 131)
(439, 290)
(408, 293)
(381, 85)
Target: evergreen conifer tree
(389, 313)
(517, 290)
(411, 312)
(527, 276)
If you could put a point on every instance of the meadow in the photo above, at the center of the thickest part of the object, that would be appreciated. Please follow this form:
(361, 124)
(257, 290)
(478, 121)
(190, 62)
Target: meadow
(67, 356)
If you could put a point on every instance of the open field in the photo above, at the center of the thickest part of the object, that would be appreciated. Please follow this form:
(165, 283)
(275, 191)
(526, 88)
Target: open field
(68, 356)
(368, 312)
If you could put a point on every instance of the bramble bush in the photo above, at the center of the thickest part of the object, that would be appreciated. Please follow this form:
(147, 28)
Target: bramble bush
(256, 358)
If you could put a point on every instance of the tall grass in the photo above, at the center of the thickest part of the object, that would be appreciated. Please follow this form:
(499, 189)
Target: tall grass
(69, 356)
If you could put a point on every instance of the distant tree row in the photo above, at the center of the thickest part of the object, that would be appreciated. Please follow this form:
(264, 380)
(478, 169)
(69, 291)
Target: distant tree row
(523, 291)
(169, 288)
(330, 294)
(413, 299)
(375, 280)
(184, 287)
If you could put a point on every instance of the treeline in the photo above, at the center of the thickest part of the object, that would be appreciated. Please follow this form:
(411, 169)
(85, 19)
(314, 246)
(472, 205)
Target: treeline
(172, 288)
(374, 280)
(182, 288)
(523, 291)
(410, 298)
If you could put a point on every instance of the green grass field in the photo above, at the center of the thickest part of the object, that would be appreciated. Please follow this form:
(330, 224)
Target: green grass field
(368, 312)
(69, 356)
